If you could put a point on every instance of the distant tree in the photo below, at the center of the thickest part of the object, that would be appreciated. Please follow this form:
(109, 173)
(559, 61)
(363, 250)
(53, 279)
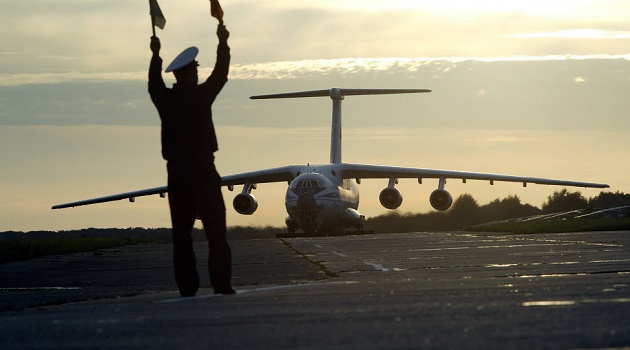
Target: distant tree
(391, 221)
(465, 212)
(564, 201)
(609, 200)
(395, 221)
(507, 208)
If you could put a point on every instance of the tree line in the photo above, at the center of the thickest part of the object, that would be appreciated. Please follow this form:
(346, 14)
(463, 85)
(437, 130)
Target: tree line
(467, 212)
(155, 234)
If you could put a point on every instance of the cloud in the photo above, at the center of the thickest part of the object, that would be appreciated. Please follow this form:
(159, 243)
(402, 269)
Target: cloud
(59, 36)
(300, 68)
(574, 34)
(52, 35)
(541, 92)
(449, 7)
(58, 78)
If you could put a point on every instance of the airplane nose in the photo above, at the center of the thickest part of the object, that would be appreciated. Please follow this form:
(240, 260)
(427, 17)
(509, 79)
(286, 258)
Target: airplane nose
(306, 201)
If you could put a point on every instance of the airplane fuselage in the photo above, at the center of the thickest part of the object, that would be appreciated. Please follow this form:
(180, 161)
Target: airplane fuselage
(318, 200)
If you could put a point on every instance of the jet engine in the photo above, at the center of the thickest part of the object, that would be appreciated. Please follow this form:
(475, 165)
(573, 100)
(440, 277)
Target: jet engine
(441, 200)
(245, 203)
(390, 198)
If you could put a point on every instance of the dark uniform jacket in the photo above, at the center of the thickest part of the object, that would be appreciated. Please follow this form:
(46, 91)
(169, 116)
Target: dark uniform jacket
(187, 128)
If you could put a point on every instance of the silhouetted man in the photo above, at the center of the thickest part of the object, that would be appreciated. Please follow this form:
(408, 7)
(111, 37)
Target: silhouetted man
(188, 145)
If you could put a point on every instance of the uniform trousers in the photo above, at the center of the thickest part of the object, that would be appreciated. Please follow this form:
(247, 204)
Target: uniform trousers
(194, 191)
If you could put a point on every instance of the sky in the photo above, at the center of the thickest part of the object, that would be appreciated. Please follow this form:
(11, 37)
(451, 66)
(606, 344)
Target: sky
(530, 88)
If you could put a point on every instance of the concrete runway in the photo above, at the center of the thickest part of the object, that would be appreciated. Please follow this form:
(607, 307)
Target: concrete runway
(395, 291)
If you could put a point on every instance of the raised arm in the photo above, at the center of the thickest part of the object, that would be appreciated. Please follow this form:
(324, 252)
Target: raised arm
(222, 66)
(156, 83)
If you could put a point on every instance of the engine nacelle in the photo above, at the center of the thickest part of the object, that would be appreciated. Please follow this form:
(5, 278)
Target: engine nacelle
(441, 200)
(390, 198)
(245, 204)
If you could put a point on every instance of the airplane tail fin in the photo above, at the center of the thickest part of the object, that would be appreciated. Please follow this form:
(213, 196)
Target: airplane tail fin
(337, 94)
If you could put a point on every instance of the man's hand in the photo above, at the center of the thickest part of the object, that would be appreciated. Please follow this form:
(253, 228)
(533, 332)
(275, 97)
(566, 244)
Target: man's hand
(155, 45)
(222, 33)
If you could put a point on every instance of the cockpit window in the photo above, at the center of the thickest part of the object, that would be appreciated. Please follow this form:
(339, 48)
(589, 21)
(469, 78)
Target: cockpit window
(313, 186)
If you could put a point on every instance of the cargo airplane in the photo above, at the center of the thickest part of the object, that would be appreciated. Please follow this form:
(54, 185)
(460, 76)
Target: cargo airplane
(325, 198)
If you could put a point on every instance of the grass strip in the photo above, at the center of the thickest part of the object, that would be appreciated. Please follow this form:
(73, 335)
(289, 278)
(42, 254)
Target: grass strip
(555, 226)
(26, 249)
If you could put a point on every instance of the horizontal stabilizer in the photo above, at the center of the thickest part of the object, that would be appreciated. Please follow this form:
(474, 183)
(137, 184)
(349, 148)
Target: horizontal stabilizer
(339, 92)
(352, 92)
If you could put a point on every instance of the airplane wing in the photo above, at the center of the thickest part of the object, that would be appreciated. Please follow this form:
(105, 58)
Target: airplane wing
(280, 174)
(366, 171)
(349, 171)
(116, 197)
(286, 173)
